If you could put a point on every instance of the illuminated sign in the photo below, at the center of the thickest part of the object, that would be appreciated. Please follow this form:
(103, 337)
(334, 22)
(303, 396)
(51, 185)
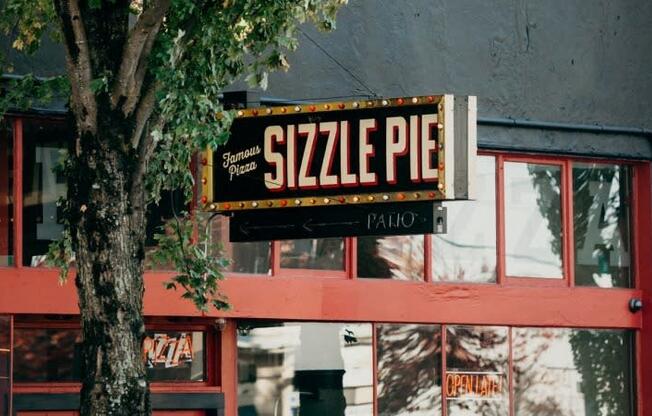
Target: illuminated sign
(164, 350)
(361, 152)
(473, 385)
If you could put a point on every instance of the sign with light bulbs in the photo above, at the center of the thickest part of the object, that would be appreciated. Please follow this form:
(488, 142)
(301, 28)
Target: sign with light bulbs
(342, 153)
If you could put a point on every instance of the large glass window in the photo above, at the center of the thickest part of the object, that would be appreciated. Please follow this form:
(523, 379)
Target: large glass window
(408, 369)
(395, 257)
(578, 372)
(305, 368)
(6, 194)
(315, 253)
(601, 215)
(44, 146)
(467, 252)
(533, 221)
(477, 370)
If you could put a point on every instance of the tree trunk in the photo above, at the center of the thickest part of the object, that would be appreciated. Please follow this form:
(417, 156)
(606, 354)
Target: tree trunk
(108, 232)
(106, 203)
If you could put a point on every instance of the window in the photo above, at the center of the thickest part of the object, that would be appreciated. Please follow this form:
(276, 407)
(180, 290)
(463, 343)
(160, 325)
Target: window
(305, 368)
(325, 368)
(174, 356)
(533, 220)
(54, 355)
(43, 355)
(467, 252)
(391, 257)
(315, 253)
(601, 220)
(477, 370)
(408, 369)
(250, 258)
(6, 194)
(44, 146)
(572, 372)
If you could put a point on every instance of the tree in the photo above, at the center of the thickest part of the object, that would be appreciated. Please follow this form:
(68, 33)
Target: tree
(143, 78)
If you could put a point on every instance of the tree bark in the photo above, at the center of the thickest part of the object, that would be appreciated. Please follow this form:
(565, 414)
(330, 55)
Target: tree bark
(108, 239)
(106, 206)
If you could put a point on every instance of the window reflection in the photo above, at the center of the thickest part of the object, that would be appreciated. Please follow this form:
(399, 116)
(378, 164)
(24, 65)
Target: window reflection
(286, 369)
(409, 369)
(476, 379)
(6, 194)
(601, 224)
(395, 257)
(533, 220)
(44, 146)
(46, 354)
(158, 215)
(467, 252)
(251, 257)
(572, 372)
(314, 253)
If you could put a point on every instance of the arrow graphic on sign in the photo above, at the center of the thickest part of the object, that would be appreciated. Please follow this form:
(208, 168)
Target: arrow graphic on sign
(309, 224)
(246, 229)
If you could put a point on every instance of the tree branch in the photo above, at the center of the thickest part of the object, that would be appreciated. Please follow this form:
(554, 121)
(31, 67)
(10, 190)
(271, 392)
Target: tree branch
(78, 64)
(146, 148)
(143, 113)
(128, 84)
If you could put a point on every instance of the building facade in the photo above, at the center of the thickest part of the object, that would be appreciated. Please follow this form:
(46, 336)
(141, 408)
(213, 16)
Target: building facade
(528, 305)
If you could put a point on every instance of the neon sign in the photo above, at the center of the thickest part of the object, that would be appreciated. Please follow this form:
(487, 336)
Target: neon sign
(474, 385)
(167, 351)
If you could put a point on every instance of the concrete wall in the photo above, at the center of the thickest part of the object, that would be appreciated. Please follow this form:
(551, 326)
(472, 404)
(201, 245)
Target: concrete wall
(580, 61)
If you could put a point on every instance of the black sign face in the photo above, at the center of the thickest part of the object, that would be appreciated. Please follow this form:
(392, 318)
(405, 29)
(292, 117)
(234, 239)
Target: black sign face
(359, 152)
(337, 221)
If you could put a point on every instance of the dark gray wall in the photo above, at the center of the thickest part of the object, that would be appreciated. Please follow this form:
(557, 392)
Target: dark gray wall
(580, 61)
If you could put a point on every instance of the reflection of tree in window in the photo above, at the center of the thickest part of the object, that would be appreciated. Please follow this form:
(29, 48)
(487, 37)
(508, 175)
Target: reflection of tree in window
(395, 257)
(601, 223)
(604, 360)
(533, 220)
(546, 181)
(482, 350)
(409, 375)
(571, 372)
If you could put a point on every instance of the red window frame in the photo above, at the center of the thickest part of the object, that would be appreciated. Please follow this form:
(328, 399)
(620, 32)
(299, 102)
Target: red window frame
(212, 382)
(316, 295)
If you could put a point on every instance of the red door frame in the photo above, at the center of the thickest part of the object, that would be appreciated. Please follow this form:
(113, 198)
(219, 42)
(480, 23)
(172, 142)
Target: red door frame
(315, 295)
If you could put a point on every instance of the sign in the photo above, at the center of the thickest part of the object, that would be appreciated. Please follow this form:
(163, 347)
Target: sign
(165, 350)
(475, 385)
(338, 221)
(361, 152)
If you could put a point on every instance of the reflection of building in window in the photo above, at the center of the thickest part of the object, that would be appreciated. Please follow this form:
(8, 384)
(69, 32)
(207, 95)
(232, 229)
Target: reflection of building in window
(305, 368)
(467, 252)
(533, 220)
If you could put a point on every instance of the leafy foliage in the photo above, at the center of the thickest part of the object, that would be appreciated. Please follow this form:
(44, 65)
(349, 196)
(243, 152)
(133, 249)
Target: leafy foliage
(201, 47)
(195, 58)
(199, 270)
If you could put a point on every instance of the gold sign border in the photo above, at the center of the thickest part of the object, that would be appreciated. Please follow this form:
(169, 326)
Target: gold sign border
(442, 101)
